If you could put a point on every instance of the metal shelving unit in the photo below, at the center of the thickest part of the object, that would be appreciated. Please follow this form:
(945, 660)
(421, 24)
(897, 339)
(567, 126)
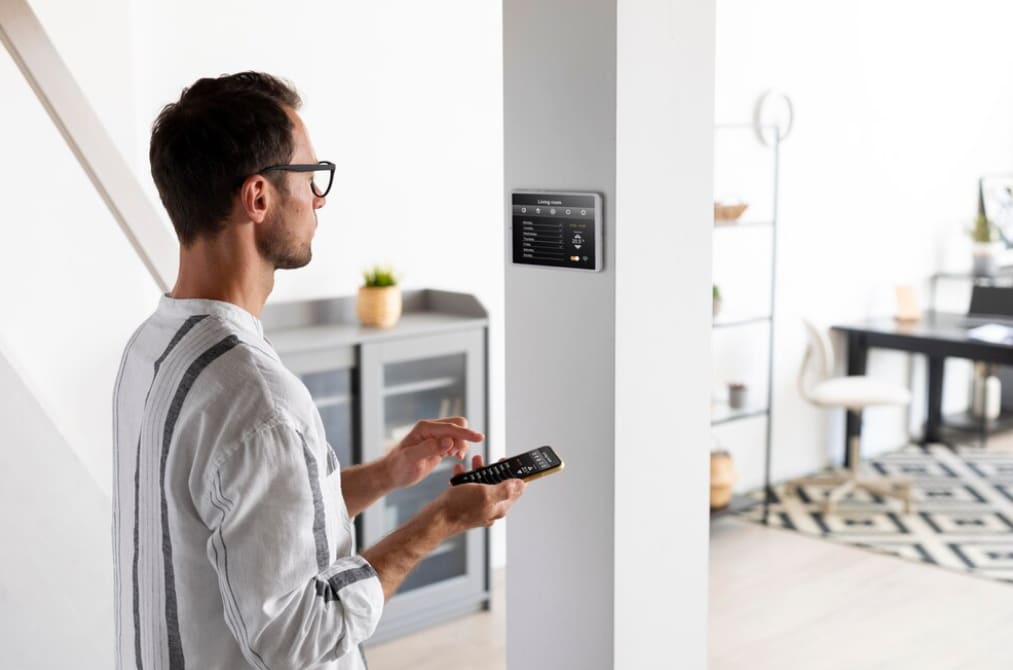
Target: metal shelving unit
(723, 414)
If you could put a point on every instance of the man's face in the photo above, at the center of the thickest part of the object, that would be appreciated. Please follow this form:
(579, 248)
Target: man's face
(285, 238)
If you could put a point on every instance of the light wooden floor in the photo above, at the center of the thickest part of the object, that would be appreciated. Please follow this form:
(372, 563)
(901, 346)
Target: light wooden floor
(475, 642)
(783, 601)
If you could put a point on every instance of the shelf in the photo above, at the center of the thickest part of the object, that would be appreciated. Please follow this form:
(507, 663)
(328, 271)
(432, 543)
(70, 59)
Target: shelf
(742, 224)
(724, 414)
(742, 166)
(738, 504)
(742, 322)
(1005, 271)
(330, 400)
(421, 387)
(444, 548)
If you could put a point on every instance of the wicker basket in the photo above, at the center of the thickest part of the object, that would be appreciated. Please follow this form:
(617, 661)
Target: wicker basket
(379, 306)
(728, 212)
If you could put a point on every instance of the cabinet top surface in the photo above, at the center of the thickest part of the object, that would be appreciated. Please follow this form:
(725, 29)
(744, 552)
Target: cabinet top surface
(332, 323)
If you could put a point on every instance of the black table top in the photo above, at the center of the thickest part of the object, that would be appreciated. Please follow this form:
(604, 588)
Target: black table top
(944, 332)
(934, 325)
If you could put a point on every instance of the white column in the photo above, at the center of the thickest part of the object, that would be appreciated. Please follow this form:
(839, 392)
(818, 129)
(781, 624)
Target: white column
(607, 562)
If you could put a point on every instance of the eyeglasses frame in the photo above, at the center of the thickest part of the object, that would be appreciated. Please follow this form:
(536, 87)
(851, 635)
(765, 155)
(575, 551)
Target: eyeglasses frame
(306, 167)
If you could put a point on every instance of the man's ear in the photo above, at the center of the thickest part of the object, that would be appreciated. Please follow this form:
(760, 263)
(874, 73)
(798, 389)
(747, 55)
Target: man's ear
(256, 197)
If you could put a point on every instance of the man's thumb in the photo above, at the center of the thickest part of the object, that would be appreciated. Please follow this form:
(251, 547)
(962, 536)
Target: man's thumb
(512, 488)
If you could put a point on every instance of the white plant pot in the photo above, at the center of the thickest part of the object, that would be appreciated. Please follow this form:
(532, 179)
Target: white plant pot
(985, 258)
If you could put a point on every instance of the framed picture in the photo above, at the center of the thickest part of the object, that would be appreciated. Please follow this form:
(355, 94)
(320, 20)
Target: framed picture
(997, 200)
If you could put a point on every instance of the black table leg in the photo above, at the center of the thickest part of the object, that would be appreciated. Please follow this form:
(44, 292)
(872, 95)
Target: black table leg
(858, 356)
(934, 410)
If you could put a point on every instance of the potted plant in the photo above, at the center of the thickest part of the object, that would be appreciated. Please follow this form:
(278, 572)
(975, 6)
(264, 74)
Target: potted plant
(379, 301)
(986, 245)
(717, 301)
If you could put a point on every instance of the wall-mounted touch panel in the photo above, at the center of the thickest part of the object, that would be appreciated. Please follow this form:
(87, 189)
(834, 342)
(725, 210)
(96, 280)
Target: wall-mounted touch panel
(557, 229)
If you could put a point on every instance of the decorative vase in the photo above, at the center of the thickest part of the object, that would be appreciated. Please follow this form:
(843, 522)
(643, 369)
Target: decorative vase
(722, 479)
(379, 306)
(986, 258)
(738, 394)
(986, 393)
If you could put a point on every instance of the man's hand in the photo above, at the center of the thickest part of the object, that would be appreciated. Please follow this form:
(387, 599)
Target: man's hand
(428, 443)
(456, 510)
(468, 506)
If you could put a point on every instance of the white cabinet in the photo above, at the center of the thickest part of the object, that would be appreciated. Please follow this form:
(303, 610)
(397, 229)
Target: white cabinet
(371, 386)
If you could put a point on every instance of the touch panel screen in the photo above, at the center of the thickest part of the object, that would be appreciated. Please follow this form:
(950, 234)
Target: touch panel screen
(562, 230)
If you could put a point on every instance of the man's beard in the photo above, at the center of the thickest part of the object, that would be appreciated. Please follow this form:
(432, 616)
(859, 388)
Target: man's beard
(279, 246)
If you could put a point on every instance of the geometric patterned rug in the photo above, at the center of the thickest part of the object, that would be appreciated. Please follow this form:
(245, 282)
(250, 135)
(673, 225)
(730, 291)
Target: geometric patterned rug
(962, 516)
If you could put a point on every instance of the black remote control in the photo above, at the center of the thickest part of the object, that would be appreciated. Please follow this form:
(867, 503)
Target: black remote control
(532, 465)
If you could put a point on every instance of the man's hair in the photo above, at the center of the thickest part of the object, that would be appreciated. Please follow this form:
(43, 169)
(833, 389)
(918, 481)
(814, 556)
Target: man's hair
(220, 132)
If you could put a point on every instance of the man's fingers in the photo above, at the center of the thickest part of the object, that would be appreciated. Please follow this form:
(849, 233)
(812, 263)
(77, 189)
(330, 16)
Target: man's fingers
(476, 461)
(442, 427)
(430, 448)
(511, 489)
(456, 420)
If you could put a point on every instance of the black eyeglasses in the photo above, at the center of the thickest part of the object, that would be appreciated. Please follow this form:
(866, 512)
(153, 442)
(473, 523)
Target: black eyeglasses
(323, 174)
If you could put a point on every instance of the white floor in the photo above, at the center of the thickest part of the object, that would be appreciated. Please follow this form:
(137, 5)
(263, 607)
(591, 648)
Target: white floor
(783, 601)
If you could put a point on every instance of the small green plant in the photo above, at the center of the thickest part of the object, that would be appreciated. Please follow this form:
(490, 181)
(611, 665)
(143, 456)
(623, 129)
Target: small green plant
(717, 292)
(379, 276)
(982, 229)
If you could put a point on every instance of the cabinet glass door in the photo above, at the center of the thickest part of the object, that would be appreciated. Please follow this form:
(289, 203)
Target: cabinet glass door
(330, 378)
(331, 391)
(402, 383)
(413, 390)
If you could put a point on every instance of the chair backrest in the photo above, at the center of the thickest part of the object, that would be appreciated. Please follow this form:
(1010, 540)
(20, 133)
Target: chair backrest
(818, 362)
(991, 301)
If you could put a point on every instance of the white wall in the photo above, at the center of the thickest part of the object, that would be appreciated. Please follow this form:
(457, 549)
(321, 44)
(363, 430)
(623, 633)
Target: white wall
(95, 41)
(71, 292)
(899, 108)
(71, 288)
(56, 590)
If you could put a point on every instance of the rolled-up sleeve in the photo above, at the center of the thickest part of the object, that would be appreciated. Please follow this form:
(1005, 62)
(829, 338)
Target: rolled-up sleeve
(287, 601)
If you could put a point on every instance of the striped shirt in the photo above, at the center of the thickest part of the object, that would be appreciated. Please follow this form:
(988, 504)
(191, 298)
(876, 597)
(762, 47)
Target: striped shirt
(232, 545)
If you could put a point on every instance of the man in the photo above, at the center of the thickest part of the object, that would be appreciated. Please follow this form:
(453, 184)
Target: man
(232, 538)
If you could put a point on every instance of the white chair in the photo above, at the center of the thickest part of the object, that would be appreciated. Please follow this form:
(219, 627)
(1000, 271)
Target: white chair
(854, 394)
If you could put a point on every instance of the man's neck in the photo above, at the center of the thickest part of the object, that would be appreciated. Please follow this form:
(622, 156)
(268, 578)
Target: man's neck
(212, 270)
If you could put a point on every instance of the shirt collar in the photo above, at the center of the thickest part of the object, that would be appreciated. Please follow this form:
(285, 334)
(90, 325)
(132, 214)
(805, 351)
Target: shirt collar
(226, 311)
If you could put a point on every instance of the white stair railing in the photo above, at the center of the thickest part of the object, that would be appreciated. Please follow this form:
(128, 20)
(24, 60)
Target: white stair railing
(55, 87)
